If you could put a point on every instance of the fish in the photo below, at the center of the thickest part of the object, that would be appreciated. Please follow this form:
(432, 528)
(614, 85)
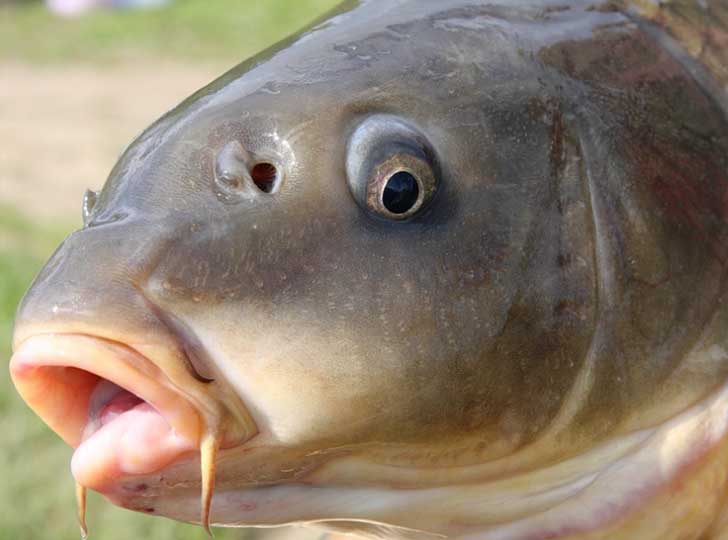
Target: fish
(425, 270)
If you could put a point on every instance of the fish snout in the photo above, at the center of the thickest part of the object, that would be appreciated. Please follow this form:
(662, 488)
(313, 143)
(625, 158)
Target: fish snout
(94, 358)
(91, 283)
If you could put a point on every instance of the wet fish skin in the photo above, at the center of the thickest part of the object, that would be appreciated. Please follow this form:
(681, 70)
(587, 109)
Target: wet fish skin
(562, 290)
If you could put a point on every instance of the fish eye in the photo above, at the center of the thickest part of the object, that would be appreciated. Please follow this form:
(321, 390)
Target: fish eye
(391, 168)
(400, 192)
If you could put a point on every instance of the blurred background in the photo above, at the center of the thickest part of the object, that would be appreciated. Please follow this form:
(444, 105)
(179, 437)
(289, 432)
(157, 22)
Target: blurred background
(77, 82)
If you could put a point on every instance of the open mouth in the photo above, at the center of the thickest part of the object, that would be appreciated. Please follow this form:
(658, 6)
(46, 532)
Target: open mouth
(116, 408)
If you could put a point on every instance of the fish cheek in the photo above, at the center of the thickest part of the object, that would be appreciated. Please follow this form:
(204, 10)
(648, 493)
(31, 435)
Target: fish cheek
(294, 315)
(303, 381)
(243, 295)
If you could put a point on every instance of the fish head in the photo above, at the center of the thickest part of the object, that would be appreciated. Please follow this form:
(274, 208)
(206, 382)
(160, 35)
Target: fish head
(357, 267)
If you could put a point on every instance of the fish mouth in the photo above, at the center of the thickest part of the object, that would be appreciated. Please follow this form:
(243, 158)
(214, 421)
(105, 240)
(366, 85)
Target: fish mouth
(119, 411)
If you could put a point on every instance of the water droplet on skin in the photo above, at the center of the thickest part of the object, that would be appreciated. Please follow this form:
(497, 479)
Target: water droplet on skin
(270, 88)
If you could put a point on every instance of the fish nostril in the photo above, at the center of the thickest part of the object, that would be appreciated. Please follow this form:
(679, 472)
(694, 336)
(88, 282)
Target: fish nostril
(237, 170)
(264, 176)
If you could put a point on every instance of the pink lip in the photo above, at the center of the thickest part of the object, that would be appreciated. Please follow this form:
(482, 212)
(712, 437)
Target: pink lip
(57, 374)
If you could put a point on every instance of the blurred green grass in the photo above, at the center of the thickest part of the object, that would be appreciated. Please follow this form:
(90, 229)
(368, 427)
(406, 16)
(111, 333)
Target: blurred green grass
(221, 30)
(36, 494)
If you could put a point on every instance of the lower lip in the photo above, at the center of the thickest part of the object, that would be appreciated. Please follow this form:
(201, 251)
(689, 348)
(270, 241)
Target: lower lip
(125, 436)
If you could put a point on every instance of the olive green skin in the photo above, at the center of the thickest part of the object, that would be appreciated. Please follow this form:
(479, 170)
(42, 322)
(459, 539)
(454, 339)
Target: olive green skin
(573, 254)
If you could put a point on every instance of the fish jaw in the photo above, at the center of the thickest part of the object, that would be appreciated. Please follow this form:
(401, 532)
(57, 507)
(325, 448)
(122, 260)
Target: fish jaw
(618, 491)
(117, 409)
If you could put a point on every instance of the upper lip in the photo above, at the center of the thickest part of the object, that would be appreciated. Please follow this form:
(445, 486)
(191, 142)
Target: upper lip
(56, 374)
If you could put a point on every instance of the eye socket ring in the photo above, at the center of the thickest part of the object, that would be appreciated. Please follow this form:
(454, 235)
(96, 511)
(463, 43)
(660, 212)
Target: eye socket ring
(391, 167)
(404, 199)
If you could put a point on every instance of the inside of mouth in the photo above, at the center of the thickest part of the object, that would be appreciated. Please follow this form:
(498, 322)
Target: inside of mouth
(60, 396)
(115, 432)
(107, 402)
(123, 435)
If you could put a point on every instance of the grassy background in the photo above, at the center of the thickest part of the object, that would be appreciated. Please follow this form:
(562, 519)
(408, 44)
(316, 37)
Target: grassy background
(187, 29)
(36, 492)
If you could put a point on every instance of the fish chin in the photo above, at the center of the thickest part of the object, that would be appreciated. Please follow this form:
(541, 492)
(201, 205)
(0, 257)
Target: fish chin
(618, 490)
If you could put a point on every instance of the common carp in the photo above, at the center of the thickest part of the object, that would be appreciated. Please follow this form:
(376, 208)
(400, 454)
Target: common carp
(429, 269)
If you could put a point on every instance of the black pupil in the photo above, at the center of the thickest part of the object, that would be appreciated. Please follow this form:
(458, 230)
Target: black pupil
(400, 193)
